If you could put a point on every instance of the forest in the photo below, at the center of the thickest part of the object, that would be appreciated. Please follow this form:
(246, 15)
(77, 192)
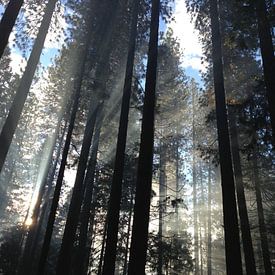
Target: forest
(118, 157)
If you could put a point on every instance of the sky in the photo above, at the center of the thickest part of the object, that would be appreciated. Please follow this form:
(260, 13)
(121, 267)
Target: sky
(182, 28)
(185, 31)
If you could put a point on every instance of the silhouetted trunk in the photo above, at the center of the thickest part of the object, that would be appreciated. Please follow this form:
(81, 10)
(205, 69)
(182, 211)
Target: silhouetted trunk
(209, 224)
(125, 265)
(99, 272)
(78, 83)
(25, 84)
(116, 187)
(144, 175)
(260, 211)
(244, 221)
(8, 21)
(231, 230)
(64, 258)
(194, 177)
(162, 202)
(82, 250)
(268, 58)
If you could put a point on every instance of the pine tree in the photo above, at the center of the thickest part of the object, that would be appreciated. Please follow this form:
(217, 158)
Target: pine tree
(25, 84)
(231, 230)
(144, 176)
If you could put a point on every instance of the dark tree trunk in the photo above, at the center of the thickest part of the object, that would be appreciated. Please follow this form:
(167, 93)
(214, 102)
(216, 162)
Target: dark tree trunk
(260, 211)
(244, 221)
(99, 272)
(267, 52)
(231, 230)
(78, 83)
(209, 224)
(25, 84)
(116, 187)
(82, 249)
(59, 181)
(125, 265)
(144, 175)
(27, 262)
(64, 258)
(8, 21)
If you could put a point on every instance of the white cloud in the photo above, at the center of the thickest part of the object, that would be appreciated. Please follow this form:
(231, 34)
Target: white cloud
(185, 31)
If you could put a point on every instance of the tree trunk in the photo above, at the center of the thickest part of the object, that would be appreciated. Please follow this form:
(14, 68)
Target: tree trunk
(244, 221)
(144, 175)
(78, 83)
(86, 209)
(99, 272)
(209, 224)
(25, 84)
(194, 177)
(260, 210)
(8, 21)
(125, 265)
(116, 187)
(162, 202)
(231, 230)
(64, 258)
(268, 58)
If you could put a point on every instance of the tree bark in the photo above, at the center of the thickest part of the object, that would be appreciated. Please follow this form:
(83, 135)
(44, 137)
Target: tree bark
(116, 187)
(64, 258)
(261, 218)
(144, 175)
(78, 83)
(125, 265)
(244, 221)
(8, 21)
(267, 52)
(25, 84)
(231, 230)
(86, 209)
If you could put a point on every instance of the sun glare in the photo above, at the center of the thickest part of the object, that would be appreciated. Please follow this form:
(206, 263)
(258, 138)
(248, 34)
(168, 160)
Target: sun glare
(28, 221)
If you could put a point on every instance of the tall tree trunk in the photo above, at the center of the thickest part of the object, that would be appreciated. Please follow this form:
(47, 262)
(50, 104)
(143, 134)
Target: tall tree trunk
(99, 271)
(86, 209)
(8, 21)
(116, 187)
(267, 52)
(261, 218)
(38, 211)
(194, 177)
(209, 224)
(162, 202)
(25, 84)
(64, 258)
(125, 265)
(144, 175)
(244, 221)
(78, 83)
(231, 230)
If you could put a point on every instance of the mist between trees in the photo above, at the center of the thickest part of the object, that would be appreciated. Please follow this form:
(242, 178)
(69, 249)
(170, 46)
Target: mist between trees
(114, 160)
